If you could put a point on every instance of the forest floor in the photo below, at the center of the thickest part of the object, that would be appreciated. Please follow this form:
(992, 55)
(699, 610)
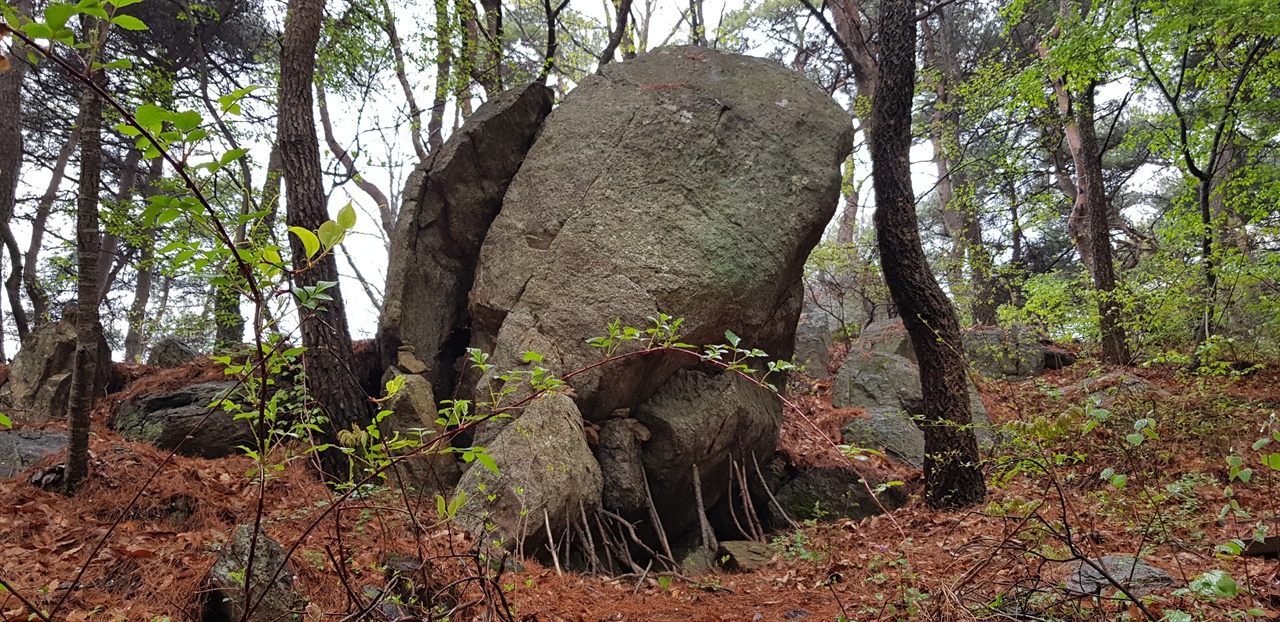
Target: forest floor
(1054, 496)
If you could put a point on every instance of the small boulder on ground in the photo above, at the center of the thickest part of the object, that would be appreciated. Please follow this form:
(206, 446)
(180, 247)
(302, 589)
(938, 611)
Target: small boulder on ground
(165, 419)
(833, 493)
(744, 555)
(23, 449)
(413, 416)
(545, 475)
(1107, 388)
(171, 352)
(272, 599)
(1136, 576)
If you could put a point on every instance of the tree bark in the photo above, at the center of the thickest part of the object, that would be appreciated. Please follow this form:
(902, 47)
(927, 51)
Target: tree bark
(30, 278)
(1115, 348)
(85, 373)
(324, 331)
(10, 168)
(952, 476)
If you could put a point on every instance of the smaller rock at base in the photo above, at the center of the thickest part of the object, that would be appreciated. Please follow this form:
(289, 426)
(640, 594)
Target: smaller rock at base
(227, 577)
(22, 449)
(1138, 577)
(744, 555)
(170, 352)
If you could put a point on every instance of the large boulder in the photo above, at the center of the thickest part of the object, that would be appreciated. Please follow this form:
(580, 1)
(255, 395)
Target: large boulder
(186, 419)
(545, 475)
(270, 585)
(414, 416)
(23, 449)
(685, 182)
(449, 202)
(1013, 353)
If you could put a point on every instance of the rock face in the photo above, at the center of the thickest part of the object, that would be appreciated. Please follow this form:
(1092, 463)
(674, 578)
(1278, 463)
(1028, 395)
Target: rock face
(878, 379)
(685, 181)
(170, 352)
(40, 376)
(413, 415)
(23, 449)
(544, 465)
(226, 600)
(449, 202)
(165, 419)
(1015, 353)
(831, 493)
(707, 421)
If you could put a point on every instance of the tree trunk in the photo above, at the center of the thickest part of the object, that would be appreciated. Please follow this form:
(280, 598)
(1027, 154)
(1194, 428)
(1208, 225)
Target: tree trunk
(10, 168)
(952, 476)
(444, 65)
(324, 331)
(85, 373)
(30, 279)
(1115, 349)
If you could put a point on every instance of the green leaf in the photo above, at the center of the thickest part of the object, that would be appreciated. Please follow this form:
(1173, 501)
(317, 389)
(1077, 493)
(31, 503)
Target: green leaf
(232, 156)
(120, 4)
(330, 234)
(308, 239)
(533, 357)
(37, 30)
(187, 120)
(488, 462)
(732, 338)
(57, 14)
(122, 63)
(1273, 461)
(151, 114)
(347, 217)
(128, 22)
(1135, 439)
(5, 421)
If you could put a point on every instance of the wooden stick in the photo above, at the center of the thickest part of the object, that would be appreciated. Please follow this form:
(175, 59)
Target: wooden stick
(551, 543)
(790, 521)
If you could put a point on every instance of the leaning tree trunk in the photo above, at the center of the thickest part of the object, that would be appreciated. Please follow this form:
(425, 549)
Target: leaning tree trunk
(1115, 348)
(85, 385)
(324, 331)
(10, 167)
(952, 477)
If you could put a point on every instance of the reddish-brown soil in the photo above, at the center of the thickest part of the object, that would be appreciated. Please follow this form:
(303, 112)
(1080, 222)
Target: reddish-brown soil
(914, 563)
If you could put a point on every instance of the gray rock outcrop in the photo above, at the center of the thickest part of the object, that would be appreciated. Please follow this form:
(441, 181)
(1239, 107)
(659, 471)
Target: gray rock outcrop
(40, 375)
(171, 352)
(449, 203)
(685, 181)
(272, 600)
(23, 449)
(166, 418)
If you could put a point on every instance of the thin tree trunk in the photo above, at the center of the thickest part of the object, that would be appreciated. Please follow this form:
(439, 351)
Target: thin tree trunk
(402, 75)
(10, 171)
(109, 261)
(1115, 348)
(847, 230)
(30, 278)
(952, 476)
(349, 165)
(85, 373)
(324, 331)
(444, 64)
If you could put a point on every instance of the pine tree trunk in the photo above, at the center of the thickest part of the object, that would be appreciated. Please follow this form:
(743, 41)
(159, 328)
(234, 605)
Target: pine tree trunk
(85, 384)
(1115, 348)
(324, 332)
(10, 167)
(952, 477)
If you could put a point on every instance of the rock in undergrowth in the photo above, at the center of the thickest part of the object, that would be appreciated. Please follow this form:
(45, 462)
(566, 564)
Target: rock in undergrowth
(744, 555)
(23, 449)
(545, 475)
(1136, 576)
(40, 375)
(833, 493)
(166, 418)
(272, 599)
(413, 416)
